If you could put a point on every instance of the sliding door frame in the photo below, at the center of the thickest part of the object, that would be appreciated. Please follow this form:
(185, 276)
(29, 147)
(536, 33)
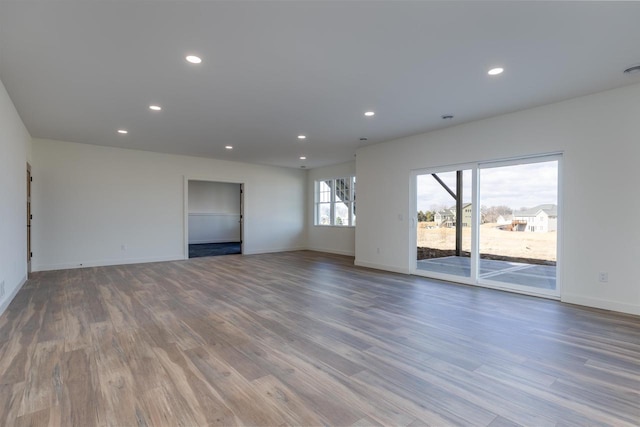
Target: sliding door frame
(474, 278)
(413, 241)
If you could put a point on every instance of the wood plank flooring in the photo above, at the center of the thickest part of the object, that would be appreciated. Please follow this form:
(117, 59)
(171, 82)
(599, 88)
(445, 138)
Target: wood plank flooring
(305, 338)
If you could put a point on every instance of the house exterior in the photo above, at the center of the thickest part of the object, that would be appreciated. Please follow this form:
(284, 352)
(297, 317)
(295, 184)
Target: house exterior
(466, 215)
(447, 217)
(540, 219)
(504, 219)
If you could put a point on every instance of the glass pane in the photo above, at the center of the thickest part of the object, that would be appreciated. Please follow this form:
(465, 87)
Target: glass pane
(343, 190)
(353, 205)
(439, 250)
(519, 214)
(342, 214)
(324, 191)
(323, 213)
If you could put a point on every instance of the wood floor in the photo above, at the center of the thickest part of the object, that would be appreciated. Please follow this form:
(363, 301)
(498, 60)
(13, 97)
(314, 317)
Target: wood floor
(304, 338)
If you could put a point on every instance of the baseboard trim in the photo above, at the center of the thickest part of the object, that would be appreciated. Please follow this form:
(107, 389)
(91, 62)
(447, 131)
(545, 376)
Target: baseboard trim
(204, 242)
(271, 251)
(600, 303)
(332, 251)
(12, 295)
(106, 263)
(382, 267)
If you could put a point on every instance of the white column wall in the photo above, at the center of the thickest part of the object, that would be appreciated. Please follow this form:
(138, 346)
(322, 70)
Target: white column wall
(15, 144)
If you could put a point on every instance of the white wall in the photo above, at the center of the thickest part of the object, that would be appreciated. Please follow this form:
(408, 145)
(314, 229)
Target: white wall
(14, 154)
(213, 228)
(339, 240)
(214, 197)
(600, 138)
(92, 201)
(214, 212)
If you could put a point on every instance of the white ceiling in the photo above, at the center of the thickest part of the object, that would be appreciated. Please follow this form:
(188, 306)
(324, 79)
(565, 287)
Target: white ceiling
(79, 70)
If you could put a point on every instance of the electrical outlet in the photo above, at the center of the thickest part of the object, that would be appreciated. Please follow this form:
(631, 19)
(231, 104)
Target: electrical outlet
(603, 277)
(2, 289)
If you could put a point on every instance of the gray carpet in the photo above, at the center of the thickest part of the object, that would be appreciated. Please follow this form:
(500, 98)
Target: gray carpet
(214, 249)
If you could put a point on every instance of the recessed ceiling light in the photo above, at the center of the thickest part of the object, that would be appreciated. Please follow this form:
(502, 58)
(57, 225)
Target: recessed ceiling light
(123, 131)
(302, 137)
(495, 71)
(193, 59)
(303, 158)
(633, 70)
(155, 107)
(228, 147)
(369, 113)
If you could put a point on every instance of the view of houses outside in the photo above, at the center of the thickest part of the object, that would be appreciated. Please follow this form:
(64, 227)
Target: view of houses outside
(436, 232)
(518, 214)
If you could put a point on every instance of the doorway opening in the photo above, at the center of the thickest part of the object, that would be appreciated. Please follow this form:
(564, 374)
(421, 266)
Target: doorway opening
(214, 218)
(493, 224)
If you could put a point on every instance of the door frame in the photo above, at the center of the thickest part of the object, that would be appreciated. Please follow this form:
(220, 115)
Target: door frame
(413, 241)
(474, 278)
(185, 218)
(29, 216)
(555, 293)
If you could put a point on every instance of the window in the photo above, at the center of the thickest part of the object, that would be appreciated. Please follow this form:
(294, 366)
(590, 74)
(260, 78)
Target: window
(335, 201)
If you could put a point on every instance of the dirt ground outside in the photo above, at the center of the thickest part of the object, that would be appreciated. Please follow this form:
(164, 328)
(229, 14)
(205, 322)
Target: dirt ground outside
(534, 248)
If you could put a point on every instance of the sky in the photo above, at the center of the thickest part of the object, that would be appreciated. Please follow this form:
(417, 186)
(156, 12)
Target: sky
(515, 186)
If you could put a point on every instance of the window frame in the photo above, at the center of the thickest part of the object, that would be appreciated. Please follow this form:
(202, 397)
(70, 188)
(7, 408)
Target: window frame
(474, 278)
(334, 201)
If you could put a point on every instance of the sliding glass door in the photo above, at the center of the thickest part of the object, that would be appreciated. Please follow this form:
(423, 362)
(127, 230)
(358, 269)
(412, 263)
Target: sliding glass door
(519, 230)
(444, 222)
(494, 224)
